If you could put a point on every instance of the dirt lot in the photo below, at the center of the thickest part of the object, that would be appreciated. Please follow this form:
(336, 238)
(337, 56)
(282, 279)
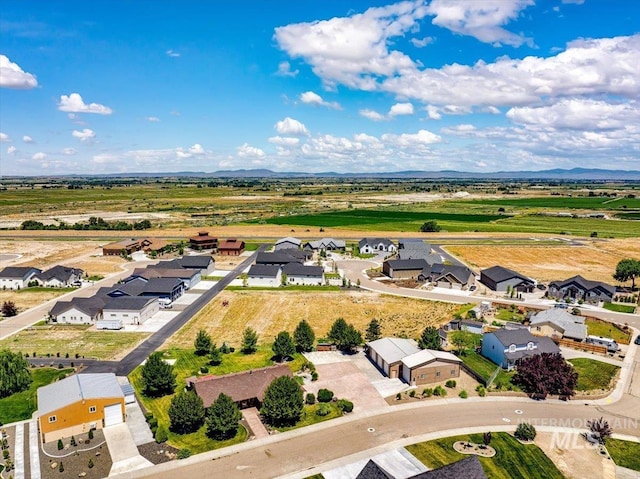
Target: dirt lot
(595, 260)
(270, 312)
(572, 457)
(26, 298)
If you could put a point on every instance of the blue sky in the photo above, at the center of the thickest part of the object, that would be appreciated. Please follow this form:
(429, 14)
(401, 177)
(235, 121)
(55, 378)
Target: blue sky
(346, 86)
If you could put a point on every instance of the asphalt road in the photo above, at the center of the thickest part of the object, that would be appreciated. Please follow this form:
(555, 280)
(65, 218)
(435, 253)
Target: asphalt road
(153, 342)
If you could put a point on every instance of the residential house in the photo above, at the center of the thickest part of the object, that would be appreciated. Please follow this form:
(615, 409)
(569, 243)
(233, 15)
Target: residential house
(154, 245)
(404, 268)
(265, 275)
(279, 258)
(303, 275)
(326, 244)
(558, 323)
(204, 263)
(78, 311)
(376, 245)
(475, 327)
(203, 241)
(387, 354)
(231, 247)
(448, 276)
(507, 347)
(170, 288)
(415, 248)
(17, 277)
(123, 247)
(133, 310)
(59, 277)
(245, 388)
(498, 278)
(79, 403)
(578, 288)
(409, 243)
(287, 243)
(190, 277)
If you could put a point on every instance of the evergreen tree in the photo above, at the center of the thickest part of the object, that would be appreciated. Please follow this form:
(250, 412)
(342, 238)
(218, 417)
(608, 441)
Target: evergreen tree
(249, 341)
(186, 412)
(14, 373)
(337, 331)
(215, 355)
(9, 309)
(345, 336)
(158, 376)
(222, 418)
(304, 337)
(373, 331)
(430, 339)
(283, 402)
(283, 346)
(202, 343)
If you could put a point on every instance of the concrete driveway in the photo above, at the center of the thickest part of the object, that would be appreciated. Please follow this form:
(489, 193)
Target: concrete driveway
(123, 450)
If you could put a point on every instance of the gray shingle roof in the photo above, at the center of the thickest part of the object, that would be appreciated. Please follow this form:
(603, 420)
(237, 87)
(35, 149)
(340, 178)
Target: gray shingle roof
(572, 326)
(439, 270)
(19, 272)
(289, 239)
(374, 242)
(585, 284)
(76, 388)
(514, 336)
(264, 271)
(280, 258)
(297, 269)
(467, 468)
(195, 261)
(407, 264)
(500, 273)
(63, 273)
(90, 306)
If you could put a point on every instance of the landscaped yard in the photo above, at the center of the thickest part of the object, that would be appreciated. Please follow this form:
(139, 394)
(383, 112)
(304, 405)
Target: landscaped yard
(607, 330)
(624, 453)
(513, 460)
(594, 374)
(506, 314)
(620, 308)
(20, 406)
(485, 368)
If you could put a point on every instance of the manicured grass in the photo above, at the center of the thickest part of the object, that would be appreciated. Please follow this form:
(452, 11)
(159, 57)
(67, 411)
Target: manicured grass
(513, 460)
(506, 314)
(624, 453)
(479, 364)
(315, 476)
(20, 406)
(607, 330)
(620, 308)
(593, 374)
(285, 288)
(310, 417)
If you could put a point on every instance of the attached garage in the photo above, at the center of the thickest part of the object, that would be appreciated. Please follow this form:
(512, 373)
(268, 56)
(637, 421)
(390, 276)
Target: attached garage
(113, 415)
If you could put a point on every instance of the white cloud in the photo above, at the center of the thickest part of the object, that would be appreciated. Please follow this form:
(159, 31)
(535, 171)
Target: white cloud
(482, 20)
(84, 135)
(69, 151)
(39, 156)
(577, 2)
(4, 138)
(74, 104)
(421, 138)
(195, 150)
(312, 98)
(291, 127)
(247, 151)
(173, 54)
(371, 115)
(433, 112)
(401, 109)
(27, 139)
(490, 109)
(12, 76)
(152, 119)
(284, 140)
(284, 70)
(422, 42)
(11, 150)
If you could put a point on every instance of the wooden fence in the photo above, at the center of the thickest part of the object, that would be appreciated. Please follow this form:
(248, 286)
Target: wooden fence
(592, 348)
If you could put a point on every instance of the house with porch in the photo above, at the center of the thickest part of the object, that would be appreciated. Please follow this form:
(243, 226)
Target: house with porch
(507, 347)
(287, 243)
(78, 311)
(448, 276)
(203, 241)
(130, 310)
(326, 244)
(558, 323)
(376, 245)
(17, 277)
(578, 288)
(499, 278)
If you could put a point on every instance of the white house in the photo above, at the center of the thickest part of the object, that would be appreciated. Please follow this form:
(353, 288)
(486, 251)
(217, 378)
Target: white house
(17, 277)
(287, 243)
(130, 309)
(264, 275)
(376, 245)
(77, 311)
(59, 277)
(303, 275)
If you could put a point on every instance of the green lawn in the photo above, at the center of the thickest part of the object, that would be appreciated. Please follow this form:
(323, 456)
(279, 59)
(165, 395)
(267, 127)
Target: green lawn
(505, 314)
(188, 364)
(513, 460)
(479, 364)
(620, 308)
(310, 417)
(607, 330)
(624, 453)
(20, 406)
(593, 374)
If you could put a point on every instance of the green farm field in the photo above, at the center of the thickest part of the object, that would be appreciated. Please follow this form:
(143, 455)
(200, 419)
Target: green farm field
(563, 202)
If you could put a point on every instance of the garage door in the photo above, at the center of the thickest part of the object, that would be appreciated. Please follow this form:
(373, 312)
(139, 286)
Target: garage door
(112, 415)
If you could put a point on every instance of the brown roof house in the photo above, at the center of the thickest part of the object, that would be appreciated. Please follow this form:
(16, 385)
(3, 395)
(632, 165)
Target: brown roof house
(246, 388)
(231, 247)
(126, 246)
(203, 241)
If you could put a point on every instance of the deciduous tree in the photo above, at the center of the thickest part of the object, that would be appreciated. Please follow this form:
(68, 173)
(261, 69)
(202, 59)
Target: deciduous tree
(283, 347)
(283, 402)
(186, 412)
(222, 418)
(430, 226)
(158, 376)
(14, 373)
(9, 309)
(600, 429)
(303, 336)
(627, 269)
(546, 373)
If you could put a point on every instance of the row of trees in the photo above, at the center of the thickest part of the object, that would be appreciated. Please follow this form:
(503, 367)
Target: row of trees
(94, 223)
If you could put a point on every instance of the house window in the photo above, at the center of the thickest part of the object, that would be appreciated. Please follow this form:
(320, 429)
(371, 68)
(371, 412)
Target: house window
(453, 372)
(512, 348)
(529, 345)
(52, 419)
(437, 374)
(92, 409)
(422, 376)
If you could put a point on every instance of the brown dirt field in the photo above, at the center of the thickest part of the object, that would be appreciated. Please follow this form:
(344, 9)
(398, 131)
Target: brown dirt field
(573, 462)
(595, 260)
(271, 312)
(26, 299)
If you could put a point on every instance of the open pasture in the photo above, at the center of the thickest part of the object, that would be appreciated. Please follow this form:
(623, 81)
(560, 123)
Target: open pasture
(563, 202)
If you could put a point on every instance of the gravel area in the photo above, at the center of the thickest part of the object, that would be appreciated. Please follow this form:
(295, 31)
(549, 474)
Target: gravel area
(157, 453)
(76, 460)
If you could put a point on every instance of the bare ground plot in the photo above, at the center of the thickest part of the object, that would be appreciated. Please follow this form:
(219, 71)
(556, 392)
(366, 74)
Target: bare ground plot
(574, 462)
(595, 260)
(87, 342)
(26, 298)
(269, 312)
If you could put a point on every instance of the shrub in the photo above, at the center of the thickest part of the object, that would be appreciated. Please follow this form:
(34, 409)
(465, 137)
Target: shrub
(183, 453)
(310, 398)
(439, 391)
(314, 376)
(399, 396)
(90, 464)
(161, 435)
(61, 467)
(482, 392)
(153, 422)
(60, 366)
(412, 393)
(325, 395)
(463, 394)
(90, 433)
(60, 445)
(5, 454)
(525, 432)
(323, 410)
(345, 405)
(73, 441)
(204, 369)
(427, 392)
(451, 383)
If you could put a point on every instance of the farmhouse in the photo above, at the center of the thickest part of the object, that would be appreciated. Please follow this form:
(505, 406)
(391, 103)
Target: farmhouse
(287, 243)
(231, 247)
(498, 278)
(304, 275)
(264, 275)
(246, 388)
(78, 311)
(130, 309)
(376, 245)
(17, 277)
(448, 276)
(507, 347)
(558, 323)
(76, 404)
(578, 288)
(404, 268)
(326, 244)
(59, 276)
(203, 241)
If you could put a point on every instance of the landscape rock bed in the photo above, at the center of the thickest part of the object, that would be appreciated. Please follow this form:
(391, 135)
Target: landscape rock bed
(76, 458)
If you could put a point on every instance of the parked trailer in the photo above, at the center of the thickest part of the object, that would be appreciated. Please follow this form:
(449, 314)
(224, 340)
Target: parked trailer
(111, 324)
(610, 344)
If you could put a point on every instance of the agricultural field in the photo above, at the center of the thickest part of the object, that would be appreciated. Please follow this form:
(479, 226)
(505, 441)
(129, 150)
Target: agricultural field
(560, 203)
(82, 340)
(269, 312)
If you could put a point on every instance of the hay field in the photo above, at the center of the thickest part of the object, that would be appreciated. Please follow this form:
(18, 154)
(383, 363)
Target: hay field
(595, 260)
(271, 312)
